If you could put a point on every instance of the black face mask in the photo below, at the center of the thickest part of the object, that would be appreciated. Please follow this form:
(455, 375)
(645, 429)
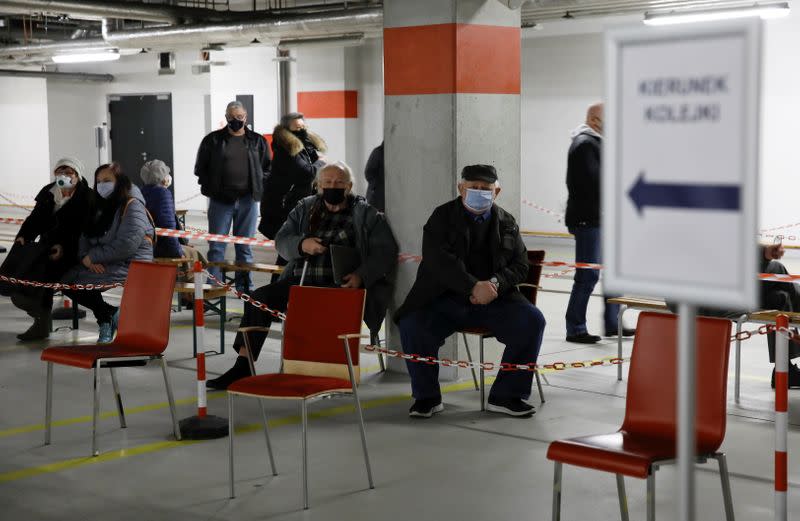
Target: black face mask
(235, 124)
(301, 134)
(334, 196)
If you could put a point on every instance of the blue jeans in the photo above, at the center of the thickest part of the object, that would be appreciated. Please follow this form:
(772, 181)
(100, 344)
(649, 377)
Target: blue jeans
(515, 322)
(587, 249)
(243, 215)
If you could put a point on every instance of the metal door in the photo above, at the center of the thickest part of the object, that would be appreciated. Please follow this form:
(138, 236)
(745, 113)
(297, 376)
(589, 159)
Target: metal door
(141, 130)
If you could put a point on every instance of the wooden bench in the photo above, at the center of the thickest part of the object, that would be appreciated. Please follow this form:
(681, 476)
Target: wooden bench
(210, 294)
(758, 317)
(226, 266)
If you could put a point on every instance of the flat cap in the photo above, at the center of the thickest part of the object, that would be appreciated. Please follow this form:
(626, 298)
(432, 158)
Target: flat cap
(486, 173)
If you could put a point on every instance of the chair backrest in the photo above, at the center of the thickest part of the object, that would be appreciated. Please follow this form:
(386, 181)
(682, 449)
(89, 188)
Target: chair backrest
(535, 259)
(144, 314)
(315, 317)
(650, 408)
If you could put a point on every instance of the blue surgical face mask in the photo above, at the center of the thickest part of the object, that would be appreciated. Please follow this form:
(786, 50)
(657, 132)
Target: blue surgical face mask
(478, 200)
(105, 189)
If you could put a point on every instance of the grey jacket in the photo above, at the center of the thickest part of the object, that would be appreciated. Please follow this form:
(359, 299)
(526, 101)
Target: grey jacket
(374, 240)
(128, 239)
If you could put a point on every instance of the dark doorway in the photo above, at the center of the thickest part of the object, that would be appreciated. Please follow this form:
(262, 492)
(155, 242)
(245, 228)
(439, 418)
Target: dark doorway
(141, 130)
(247, 101)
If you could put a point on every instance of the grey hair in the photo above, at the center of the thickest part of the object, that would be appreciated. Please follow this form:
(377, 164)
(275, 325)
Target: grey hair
(341, 166)
(154, 172)
(234, 105)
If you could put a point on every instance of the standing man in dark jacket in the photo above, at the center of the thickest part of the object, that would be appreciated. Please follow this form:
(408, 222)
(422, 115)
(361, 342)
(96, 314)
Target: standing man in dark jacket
(583, 221)
(373, 172)
(62, 208)
(298, 157)
(473, 259)
(333, 216)
(231, 166)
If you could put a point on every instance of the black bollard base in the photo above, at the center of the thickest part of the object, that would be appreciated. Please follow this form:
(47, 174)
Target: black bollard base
(205, 428)
(67, 313)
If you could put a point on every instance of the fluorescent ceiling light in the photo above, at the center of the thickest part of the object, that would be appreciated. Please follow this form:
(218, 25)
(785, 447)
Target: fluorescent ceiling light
(86, 57)
(765, 11)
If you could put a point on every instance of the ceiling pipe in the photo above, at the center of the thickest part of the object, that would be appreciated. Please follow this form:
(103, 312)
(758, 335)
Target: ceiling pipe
(94, 10)
(95, 44)
(73, 76)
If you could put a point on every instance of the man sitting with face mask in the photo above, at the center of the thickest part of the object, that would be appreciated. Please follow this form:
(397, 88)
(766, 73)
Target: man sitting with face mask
(473, 259)
(332, 217)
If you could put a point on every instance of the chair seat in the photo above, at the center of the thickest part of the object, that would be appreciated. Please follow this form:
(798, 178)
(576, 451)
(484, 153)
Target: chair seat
(86, 356)
(481, 331)
(620, 453)
(292, 386)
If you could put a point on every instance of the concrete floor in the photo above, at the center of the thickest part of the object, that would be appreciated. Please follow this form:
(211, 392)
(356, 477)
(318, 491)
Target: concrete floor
(462, 465)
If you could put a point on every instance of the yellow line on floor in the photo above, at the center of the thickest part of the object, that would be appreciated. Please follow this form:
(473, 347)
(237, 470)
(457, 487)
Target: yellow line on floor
(148, 448)
(25, 429)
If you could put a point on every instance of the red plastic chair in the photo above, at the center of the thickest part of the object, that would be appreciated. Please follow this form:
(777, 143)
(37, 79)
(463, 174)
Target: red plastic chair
(529, 289)
(143, 335)
(647, 438)
(320, 358)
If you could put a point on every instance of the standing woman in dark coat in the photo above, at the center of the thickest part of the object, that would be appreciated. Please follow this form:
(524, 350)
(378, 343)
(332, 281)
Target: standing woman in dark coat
(161, 205)
(61, 209)
(119, 231)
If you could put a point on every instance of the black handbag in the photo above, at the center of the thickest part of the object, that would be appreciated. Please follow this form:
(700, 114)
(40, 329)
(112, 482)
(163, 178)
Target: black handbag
(24, 261)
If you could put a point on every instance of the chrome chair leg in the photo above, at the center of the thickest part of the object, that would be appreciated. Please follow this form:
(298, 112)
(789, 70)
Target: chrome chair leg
(171, 399)
(376, 341)
(266, 435)
(726, 485)
(623, 498)
(737, 376)
(539, 386)
(118, 397)
(620, 327)
(557, 491)
(363, 437)
(48, 404)
(231, 492)
(304, 439)
(651, 496)
(483, 375)
(469, 357)
(95, 407)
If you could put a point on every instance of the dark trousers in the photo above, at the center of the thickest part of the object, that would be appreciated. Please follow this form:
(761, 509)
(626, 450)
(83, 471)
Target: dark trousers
(275, 296)
(93, 299)
(514, 321)
(587, 249)
(36, 302)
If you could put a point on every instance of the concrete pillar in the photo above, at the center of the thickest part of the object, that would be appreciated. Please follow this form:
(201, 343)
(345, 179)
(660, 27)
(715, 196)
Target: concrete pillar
(452, 98)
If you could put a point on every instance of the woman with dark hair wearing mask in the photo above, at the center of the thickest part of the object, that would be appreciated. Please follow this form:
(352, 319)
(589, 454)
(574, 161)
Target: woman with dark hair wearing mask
(56, 220)
(118, 231)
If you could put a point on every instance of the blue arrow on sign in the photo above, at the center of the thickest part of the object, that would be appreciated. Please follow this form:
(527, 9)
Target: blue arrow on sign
(695, 197)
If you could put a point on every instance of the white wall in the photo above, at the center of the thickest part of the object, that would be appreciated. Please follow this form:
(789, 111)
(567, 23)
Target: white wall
(77, 107)
(24, 154)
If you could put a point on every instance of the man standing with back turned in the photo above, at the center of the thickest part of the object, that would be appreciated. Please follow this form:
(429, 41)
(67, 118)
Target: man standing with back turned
(583, 221)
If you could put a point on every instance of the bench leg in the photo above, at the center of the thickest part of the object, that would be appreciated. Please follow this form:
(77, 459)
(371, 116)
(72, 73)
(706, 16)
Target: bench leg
(737, 377)
(621, 312)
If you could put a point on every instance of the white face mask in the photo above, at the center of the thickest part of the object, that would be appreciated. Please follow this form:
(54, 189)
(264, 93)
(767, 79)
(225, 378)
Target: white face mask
(64, 181)
(105, 189)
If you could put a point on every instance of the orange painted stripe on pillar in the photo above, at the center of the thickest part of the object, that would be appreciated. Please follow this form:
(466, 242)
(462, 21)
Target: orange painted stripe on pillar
(328, 104)
(451, 58)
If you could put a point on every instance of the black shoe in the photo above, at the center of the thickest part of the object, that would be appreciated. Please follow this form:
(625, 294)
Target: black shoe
(426, 408)
(794, 377)
(510, 406)
(40, 330)
(626, 331)
(583, 338)
(240, 369)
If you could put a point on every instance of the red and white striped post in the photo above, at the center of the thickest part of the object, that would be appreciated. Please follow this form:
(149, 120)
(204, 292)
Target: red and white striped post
(202, 426)
(781, 417)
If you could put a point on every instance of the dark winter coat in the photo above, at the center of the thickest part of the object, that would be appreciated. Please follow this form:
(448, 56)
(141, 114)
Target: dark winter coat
(445, 246)
(374, 240)
(291, 178)
(161, 206)
(129, 238)
(62, 227)
(375, 179)
(210, 163)
(583, 181)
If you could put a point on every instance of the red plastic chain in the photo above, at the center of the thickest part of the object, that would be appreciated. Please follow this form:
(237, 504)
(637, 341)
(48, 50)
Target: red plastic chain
(246, 298)
(57, 285)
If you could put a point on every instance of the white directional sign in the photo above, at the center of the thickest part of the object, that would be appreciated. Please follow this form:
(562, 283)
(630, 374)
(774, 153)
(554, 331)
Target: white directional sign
(680, 163)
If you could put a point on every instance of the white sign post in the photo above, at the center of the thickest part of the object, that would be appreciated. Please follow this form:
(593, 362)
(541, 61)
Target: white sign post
(680, 182)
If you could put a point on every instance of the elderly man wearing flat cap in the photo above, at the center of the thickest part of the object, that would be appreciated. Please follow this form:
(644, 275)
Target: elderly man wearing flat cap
(473, 259)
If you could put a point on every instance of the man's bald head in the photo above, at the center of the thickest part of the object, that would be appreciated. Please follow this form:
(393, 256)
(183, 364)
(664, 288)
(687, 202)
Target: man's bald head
(594, 117)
